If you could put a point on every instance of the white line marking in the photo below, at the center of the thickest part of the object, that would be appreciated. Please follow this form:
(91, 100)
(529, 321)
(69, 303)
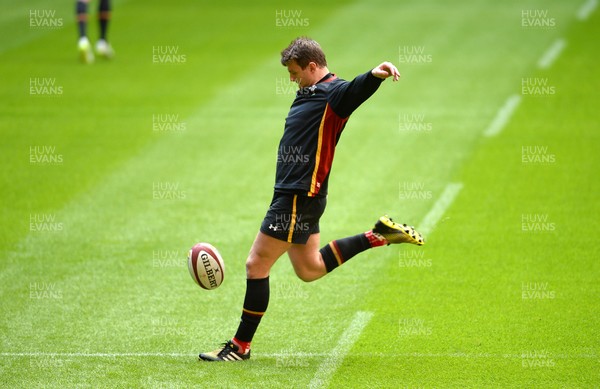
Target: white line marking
(337, 355)
(97, 355)
(552, 53)
(586, 9)
(289, 355)
(430, 355)
(503, 116)
(439, 208)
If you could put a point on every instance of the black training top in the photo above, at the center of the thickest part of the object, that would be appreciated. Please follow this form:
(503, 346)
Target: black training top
(313, 127)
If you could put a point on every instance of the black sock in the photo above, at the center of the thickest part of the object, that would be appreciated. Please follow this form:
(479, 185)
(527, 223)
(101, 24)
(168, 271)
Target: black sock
(255, 305)
(81, 11)
(339, 251)
(104, 17)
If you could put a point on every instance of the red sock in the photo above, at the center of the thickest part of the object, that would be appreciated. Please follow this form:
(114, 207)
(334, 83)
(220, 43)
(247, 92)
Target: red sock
(375, 240)
(244, 346)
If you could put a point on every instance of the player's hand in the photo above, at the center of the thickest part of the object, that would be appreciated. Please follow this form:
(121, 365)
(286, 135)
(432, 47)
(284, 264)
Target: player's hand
(385, 70)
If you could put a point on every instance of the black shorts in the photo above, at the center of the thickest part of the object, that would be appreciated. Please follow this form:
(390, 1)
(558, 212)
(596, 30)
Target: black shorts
(293, 217)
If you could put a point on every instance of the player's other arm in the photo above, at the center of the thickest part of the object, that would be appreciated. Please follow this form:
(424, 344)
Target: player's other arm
(350, 95)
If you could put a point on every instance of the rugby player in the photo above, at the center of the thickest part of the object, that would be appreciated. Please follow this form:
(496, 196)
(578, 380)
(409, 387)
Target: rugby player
(313, 127)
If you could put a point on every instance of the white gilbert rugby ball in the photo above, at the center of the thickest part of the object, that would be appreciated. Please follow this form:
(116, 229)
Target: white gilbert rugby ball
(206, 266)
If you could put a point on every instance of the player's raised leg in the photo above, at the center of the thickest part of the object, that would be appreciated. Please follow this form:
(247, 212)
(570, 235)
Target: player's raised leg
(83, 44)
(264, 253)
(306, 259)
(311, 263)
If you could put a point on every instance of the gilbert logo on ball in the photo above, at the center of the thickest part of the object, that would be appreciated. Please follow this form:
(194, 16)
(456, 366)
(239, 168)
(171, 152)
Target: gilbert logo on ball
(206, 266)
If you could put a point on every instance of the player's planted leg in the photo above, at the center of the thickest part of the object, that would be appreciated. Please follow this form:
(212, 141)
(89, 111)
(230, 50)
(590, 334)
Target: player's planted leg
(264, 253)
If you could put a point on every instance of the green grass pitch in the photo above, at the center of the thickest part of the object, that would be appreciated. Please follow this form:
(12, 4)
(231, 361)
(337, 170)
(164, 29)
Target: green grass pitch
(112, 171)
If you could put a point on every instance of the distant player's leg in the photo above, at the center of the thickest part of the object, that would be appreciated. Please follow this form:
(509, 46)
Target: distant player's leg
(83, 44)
(264, 253)
(103, 48)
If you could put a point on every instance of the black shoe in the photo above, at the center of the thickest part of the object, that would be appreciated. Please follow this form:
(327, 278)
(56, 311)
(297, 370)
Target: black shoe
(229, 352)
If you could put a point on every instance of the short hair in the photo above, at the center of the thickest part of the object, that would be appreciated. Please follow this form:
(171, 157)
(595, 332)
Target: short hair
(303, 50)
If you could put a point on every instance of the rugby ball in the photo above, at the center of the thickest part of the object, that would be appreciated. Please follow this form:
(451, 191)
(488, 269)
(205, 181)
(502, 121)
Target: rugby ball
(206, 266)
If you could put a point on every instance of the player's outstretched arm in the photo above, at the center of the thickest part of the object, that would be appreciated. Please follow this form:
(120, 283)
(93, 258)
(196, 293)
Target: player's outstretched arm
(385, 70)
(350, 95)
